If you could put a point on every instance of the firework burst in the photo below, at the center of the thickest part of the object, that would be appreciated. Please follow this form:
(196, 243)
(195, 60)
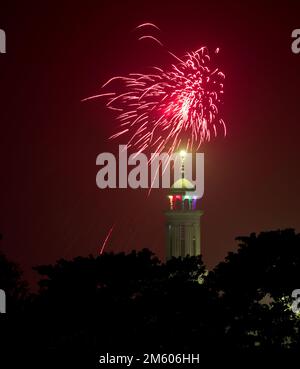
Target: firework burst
(168, 109)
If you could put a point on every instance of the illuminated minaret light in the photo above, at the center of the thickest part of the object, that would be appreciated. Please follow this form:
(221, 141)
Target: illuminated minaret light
(182, 218)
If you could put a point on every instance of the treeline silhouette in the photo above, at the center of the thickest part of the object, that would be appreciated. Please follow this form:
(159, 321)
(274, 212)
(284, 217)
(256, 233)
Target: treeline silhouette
(133, 303)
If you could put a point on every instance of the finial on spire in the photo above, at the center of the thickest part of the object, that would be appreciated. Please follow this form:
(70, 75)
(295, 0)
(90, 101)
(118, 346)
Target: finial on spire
(182, 156)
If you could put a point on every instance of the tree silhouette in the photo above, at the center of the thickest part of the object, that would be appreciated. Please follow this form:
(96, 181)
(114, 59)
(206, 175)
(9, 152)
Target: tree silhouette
(133, 303)
(11, 281)
(255, 285)
(16, 292)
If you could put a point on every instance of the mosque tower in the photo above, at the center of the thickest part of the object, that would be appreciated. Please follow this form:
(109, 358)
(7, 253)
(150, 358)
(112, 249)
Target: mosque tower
(182, 219)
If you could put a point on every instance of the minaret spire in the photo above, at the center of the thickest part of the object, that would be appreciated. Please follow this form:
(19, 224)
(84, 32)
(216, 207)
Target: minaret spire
(182, 157)
(183, 218)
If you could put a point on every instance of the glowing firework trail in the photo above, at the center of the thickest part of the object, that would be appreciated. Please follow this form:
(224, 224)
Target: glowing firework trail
(106, 240)
(169, 108)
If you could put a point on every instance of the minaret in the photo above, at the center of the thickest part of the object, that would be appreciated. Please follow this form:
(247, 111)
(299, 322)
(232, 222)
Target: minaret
(182, 219)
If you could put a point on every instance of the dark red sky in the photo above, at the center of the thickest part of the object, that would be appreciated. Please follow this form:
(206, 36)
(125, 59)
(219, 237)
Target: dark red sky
(57, 54)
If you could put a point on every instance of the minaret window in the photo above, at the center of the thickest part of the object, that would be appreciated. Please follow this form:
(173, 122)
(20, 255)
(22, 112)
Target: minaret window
(182, 240)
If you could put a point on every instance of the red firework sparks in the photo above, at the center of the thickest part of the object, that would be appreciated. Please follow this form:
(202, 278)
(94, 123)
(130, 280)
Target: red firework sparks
(106, 240)
(169, 109)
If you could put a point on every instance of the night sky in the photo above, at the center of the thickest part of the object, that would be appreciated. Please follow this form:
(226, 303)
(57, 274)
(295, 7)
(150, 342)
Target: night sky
(59, 54)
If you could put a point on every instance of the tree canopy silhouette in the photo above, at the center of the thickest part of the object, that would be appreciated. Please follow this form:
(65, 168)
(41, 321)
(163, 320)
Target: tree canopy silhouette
(134, 303)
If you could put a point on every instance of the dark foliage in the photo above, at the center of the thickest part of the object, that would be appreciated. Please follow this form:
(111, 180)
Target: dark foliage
(133, 303)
